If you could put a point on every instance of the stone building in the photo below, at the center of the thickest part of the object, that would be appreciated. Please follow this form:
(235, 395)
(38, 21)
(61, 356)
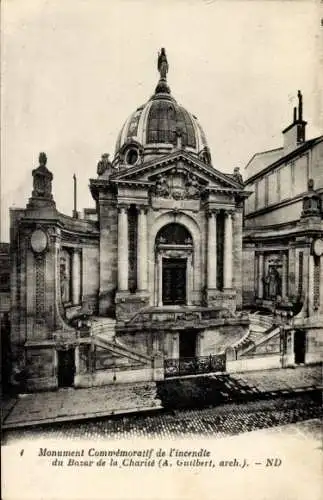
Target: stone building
(145, 285)
(4, 313)
(283, 238)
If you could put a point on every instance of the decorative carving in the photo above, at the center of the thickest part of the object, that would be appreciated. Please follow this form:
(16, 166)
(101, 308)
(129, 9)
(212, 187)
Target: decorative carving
(40, 287)
(179, 186)
(38, 241)
(192, 188)
(104, 165)
(311, 202)
(162, 187)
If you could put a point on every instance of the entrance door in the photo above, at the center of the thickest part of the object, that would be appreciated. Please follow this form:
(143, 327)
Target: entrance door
(174, 281)
(299, 346)
(66, 368)
(187, 344)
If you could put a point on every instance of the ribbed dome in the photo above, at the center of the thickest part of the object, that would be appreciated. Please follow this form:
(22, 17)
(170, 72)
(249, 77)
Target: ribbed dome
(159, 126)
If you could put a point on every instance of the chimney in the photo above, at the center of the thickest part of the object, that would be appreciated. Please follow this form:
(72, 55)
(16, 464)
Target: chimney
(294, 134)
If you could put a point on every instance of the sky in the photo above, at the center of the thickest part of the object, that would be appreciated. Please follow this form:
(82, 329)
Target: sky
(73, 71)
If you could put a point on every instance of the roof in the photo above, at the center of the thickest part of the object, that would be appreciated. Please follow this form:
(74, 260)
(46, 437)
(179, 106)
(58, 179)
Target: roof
(268, 160)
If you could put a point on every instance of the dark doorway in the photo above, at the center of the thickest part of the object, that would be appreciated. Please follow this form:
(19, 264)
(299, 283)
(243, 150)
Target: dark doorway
(187, 344)
(174, 281)
(66, 368)
(299, 346)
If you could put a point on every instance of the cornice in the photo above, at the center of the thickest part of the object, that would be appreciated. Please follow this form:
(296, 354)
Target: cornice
(180, 156)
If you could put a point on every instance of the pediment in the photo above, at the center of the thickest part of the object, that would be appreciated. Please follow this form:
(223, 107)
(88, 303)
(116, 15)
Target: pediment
(178, 170)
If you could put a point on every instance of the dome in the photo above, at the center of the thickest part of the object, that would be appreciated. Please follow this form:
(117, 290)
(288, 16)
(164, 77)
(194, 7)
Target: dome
(159, 126)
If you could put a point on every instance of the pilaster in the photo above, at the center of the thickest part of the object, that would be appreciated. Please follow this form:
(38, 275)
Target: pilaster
(228, 250)
(122, 249)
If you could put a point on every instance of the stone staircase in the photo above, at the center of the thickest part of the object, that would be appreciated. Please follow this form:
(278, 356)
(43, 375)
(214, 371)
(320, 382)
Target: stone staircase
(103, 333)
(259, 327)
(105, 327)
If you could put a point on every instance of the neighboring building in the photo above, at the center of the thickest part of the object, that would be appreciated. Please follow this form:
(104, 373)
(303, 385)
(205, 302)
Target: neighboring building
(4, 278)
(4, 313)
(151, 276)
(283, 242)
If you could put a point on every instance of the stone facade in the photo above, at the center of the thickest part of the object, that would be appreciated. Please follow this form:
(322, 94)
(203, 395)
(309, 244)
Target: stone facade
(283, 239)
(154, 272)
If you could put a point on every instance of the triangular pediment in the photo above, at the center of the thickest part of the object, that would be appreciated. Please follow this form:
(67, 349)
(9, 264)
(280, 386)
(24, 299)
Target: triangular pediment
(182, 164)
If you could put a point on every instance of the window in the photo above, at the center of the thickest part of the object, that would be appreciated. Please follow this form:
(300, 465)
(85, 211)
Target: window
(132, 156)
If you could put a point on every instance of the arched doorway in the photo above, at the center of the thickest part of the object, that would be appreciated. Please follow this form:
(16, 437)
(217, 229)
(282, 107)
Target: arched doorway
(174, 252)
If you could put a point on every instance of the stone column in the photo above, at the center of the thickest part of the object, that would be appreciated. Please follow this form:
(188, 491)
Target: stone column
(77, 359)
(123, 249)
(189, 280)
(76, 277)
(228, 250)
(284, 276)
(200, 344)
(142, 262)
(160, 280)
(211, 251)
(175, 342)
(310, 285)
(260, 275)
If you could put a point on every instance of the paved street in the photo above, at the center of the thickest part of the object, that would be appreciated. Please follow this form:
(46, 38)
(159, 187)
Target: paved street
(187, 392)
(229, 419)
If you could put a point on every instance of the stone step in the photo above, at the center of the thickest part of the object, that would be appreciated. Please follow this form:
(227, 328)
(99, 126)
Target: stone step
(111, 344)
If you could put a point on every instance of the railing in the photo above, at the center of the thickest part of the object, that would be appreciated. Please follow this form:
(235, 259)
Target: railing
(190, 366)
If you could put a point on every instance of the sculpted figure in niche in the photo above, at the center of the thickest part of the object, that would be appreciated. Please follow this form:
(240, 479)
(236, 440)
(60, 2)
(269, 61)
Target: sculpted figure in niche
(162, 187)
(104, 165)
(272, 283)
(64, 281)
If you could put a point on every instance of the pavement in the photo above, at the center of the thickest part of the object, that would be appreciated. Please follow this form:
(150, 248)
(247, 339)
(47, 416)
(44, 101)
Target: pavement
(216, 422)
(78, 404)
(70, 404)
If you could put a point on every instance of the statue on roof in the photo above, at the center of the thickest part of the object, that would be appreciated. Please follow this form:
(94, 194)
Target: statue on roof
(42, 179)
(104, 165)
(162, 64)
(237, 175)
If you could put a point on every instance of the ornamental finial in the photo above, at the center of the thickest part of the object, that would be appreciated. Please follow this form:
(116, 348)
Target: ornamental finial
(42, 159)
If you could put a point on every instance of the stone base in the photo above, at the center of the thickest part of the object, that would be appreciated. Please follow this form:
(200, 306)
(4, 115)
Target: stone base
(107, 377)
(107, 303)
(222, 299)
(128, 304)
(41, 384)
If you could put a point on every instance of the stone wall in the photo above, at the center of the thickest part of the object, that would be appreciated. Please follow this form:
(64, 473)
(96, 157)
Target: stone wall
(90, 276)
(314, 345)
(248, 274)
(40, 370)
(237, 257)
(108, 218)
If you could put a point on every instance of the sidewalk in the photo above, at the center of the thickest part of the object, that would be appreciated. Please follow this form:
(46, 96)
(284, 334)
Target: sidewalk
(80, 404)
